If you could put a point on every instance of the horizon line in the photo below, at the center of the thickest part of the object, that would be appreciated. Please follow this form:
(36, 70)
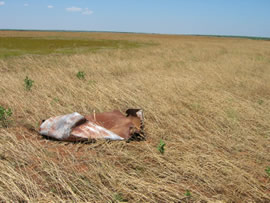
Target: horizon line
(126, 32)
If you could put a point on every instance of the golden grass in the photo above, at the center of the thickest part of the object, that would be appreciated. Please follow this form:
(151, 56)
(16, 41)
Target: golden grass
(208, 98)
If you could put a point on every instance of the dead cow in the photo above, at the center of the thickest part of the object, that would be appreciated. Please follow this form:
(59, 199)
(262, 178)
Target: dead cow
(109, 125)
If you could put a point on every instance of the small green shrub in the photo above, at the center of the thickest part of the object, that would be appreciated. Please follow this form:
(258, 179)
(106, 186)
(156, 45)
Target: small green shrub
(119, 197)
(92, 82)
(5, 114)
(55, 100)
(81, 75)
(188, 193)
(267, 170)
(28, 83)
(161, 147)
(260, 101)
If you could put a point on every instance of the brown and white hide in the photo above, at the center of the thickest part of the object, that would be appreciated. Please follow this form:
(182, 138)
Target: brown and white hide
(109, 125)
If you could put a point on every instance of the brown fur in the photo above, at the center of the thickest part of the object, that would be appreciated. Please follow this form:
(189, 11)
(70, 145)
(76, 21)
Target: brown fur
(116, 122)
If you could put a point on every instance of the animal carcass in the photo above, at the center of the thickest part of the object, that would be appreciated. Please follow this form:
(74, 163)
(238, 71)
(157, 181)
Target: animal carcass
(109, 125)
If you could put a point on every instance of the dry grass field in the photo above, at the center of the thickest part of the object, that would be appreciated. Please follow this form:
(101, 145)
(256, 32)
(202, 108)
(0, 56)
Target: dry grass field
(207, 98)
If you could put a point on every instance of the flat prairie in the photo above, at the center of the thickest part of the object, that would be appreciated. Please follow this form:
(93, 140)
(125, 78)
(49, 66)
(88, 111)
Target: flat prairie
(206, 98)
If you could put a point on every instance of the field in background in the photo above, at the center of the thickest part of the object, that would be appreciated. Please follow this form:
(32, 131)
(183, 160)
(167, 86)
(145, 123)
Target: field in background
(17, 46)
(207, 98)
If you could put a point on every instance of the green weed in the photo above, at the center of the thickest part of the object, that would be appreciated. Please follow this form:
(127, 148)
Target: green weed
(260, 101)
(5, 114)
(28, 83)
(267, 170)
(188, 193)
(119, 197)
(92, 82)
(81, 75)
(55, 100)
(161, 147)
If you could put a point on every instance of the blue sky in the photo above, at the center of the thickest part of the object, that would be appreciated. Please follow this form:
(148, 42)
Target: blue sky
(216, 17)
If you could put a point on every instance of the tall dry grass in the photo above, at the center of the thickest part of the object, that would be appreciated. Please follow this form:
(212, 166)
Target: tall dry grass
(207, 98)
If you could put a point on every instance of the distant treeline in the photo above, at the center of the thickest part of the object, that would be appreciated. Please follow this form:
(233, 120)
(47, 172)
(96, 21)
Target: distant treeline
(235, 36)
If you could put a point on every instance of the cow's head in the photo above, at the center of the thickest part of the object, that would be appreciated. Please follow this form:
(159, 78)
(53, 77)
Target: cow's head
(137, 118)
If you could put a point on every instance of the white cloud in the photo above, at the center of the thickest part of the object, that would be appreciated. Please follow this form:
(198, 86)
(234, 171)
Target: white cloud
(50, 6)
(74, 9)
(2, 3)
(86, 11)
(26, 4)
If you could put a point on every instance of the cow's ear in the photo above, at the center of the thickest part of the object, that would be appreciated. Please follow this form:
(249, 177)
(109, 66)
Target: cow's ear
(132, 112)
